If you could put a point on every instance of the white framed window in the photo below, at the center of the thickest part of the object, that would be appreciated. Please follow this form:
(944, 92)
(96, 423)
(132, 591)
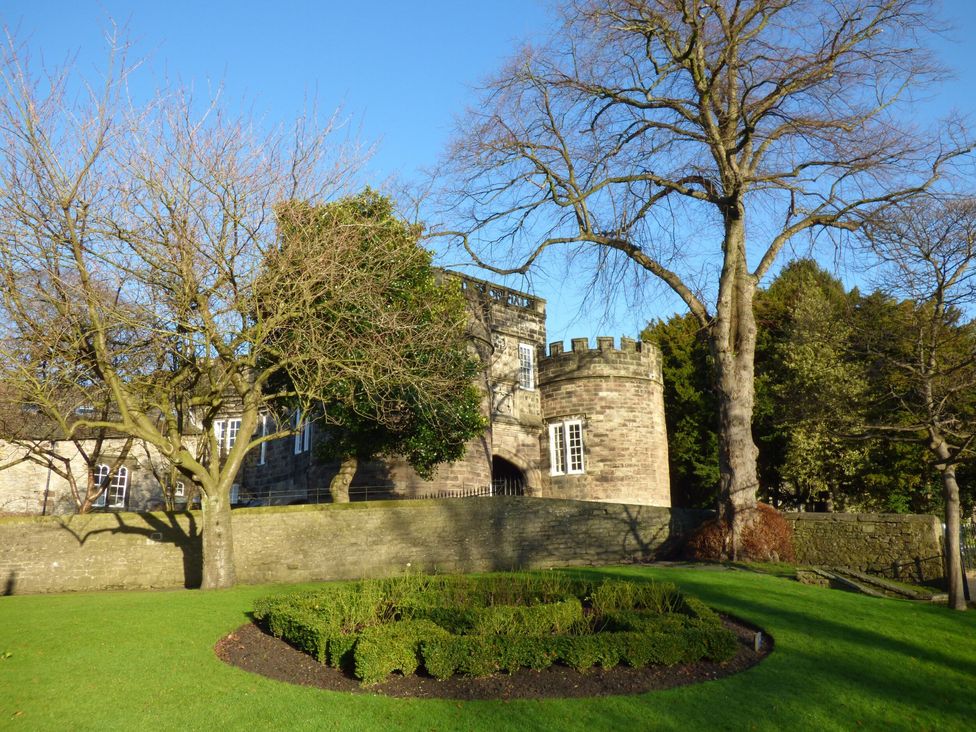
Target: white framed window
(526, 366)
(179, 490)
(303, 434)
(231, 430)
(100, 477)
(235, 492)
(225, 433)
(566, 447)
(114, 494)
(118, 487)
(263, 447)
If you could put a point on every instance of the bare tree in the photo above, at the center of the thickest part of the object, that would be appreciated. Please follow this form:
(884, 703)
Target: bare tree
(923, 348)
(691, 141)
(151, 237)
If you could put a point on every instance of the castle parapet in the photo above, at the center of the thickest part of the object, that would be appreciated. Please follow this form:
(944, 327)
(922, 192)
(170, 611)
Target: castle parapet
(506, 297)
(633, 359)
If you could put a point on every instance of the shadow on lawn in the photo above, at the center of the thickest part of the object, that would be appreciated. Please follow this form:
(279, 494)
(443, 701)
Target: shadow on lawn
(854, 624)
(841, 658)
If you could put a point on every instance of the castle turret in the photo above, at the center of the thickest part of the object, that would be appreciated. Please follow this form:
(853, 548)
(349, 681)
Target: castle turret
(604, 437)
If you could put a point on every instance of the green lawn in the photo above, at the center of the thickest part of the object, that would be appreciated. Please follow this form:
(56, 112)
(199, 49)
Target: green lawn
(144, 660)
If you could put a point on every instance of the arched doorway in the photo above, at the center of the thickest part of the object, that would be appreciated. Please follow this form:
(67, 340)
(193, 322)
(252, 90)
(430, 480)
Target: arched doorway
(506, 478)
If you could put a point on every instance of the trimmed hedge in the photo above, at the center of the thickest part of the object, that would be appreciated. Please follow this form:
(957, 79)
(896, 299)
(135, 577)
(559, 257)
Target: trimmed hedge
(382, 649)
(482, 625)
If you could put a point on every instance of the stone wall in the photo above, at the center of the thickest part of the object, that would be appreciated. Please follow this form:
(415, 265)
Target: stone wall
(307, 543)
(892, 545)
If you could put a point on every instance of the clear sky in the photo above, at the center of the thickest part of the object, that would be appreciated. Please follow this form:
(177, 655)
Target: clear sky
(401, 70)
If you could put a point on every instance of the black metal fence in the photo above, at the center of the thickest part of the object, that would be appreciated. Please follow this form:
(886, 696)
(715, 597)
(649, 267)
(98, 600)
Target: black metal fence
(498, 487)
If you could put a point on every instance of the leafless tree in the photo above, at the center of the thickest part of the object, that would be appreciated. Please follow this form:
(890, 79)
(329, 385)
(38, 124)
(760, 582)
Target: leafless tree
(692, 141)
(925, 354)
(150, 237)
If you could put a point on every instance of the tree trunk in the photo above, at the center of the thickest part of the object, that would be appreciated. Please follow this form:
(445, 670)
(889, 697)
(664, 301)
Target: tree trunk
(732, 339)
(339, 487)
(218, 542)
(953, 559)
(737, 454)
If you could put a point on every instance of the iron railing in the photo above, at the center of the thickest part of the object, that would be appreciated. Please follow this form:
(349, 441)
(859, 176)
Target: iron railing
(498, 487)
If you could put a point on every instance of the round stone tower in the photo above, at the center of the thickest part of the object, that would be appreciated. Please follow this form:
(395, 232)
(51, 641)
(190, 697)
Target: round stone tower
(604, 437)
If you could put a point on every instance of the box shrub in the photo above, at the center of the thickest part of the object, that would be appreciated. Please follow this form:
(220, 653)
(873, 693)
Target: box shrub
(543, 619)
(382, 649)
(481, 625)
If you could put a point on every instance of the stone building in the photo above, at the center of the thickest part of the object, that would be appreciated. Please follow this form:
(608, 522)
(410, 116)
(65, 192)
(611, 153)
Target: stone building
(587, 423)
(584, 423)
(134, 475)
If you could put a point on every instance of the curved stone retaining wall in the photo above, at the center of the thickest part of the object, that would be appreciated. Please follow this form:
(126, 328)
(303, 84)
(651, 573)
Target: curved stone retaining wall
(310, 543)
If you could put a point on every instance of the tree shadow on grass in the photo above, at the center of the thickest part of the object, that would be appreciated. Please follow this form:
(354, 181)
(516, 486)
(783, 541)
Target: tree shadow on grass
(841, 660)
(851, 625)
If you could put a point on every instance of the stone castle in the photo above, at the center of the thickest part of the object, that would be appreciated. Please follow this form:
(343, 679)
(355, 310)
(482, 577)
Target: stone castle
(585, 423)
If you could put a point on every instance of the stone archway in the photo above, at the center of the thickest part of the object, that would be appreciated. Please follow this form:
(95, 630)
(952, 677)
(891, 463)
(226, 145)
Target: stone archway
(531, 477)
(507, 478)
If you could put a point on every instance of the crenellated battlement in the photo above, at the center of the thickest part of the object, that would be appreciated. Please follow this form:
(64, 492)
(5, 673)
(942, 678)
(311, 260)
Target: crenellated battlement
(633, 359)
(603, 343)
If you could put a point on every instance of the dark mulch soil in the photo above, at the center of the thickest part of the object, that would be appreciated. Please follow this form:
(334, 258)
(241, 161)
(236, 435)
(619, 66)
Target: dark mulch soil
(251, 649)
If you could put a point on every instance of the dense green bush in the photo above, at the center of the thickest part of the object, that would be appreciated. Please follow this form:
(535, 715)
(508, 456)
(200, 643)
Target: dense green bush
(482, 625)
(382, 649)
(612, 595)
(544, 619)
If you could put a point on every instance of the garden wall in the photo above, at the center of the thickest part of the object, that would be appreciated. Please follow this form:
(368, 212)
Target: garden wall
(308, 543)
(892, 545)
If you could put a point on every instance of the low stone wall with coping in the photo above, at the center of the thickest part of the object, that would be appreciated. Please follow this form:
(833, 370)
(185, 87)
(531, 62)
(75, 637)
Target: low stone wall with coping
(110, 551)
(892, 545)
(325, 542)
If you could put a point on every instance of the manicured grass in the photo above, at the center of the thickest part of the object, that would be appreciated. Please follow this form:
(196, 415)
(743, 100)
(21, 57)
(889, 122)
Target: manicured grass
(145, 661)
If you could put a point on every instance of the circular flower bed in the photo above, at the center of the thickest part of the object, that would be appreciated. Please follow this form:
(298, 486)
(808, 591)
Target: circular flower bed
(447, 626)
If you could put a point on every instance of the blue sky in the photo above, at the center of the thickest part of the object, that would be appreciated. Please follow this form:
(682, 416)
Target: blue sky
(402, 72)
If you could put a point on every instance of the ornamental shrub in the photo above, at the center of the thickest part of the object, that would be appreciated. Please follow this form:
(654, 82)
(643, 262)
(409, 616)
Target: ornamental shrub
(482, 625)
(382, 649)
(543, 619)
(613, 595)
(767, 539)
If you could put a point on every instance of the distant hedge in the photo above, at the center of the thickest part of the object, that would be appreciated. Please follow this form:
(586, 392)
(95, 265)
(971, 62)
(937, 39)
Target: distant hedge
(477, 626)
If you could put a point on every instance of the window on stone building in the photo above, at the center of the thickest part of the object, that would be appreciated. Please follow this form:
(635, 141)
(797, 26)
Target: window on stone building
(303, 435)
(566, 447)
(263, 447)
(114, 494)
(225, 433)
(218, 430)
(179, 490)
(233, 427)
(100, 478)
(526, 366)
(235, 493)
